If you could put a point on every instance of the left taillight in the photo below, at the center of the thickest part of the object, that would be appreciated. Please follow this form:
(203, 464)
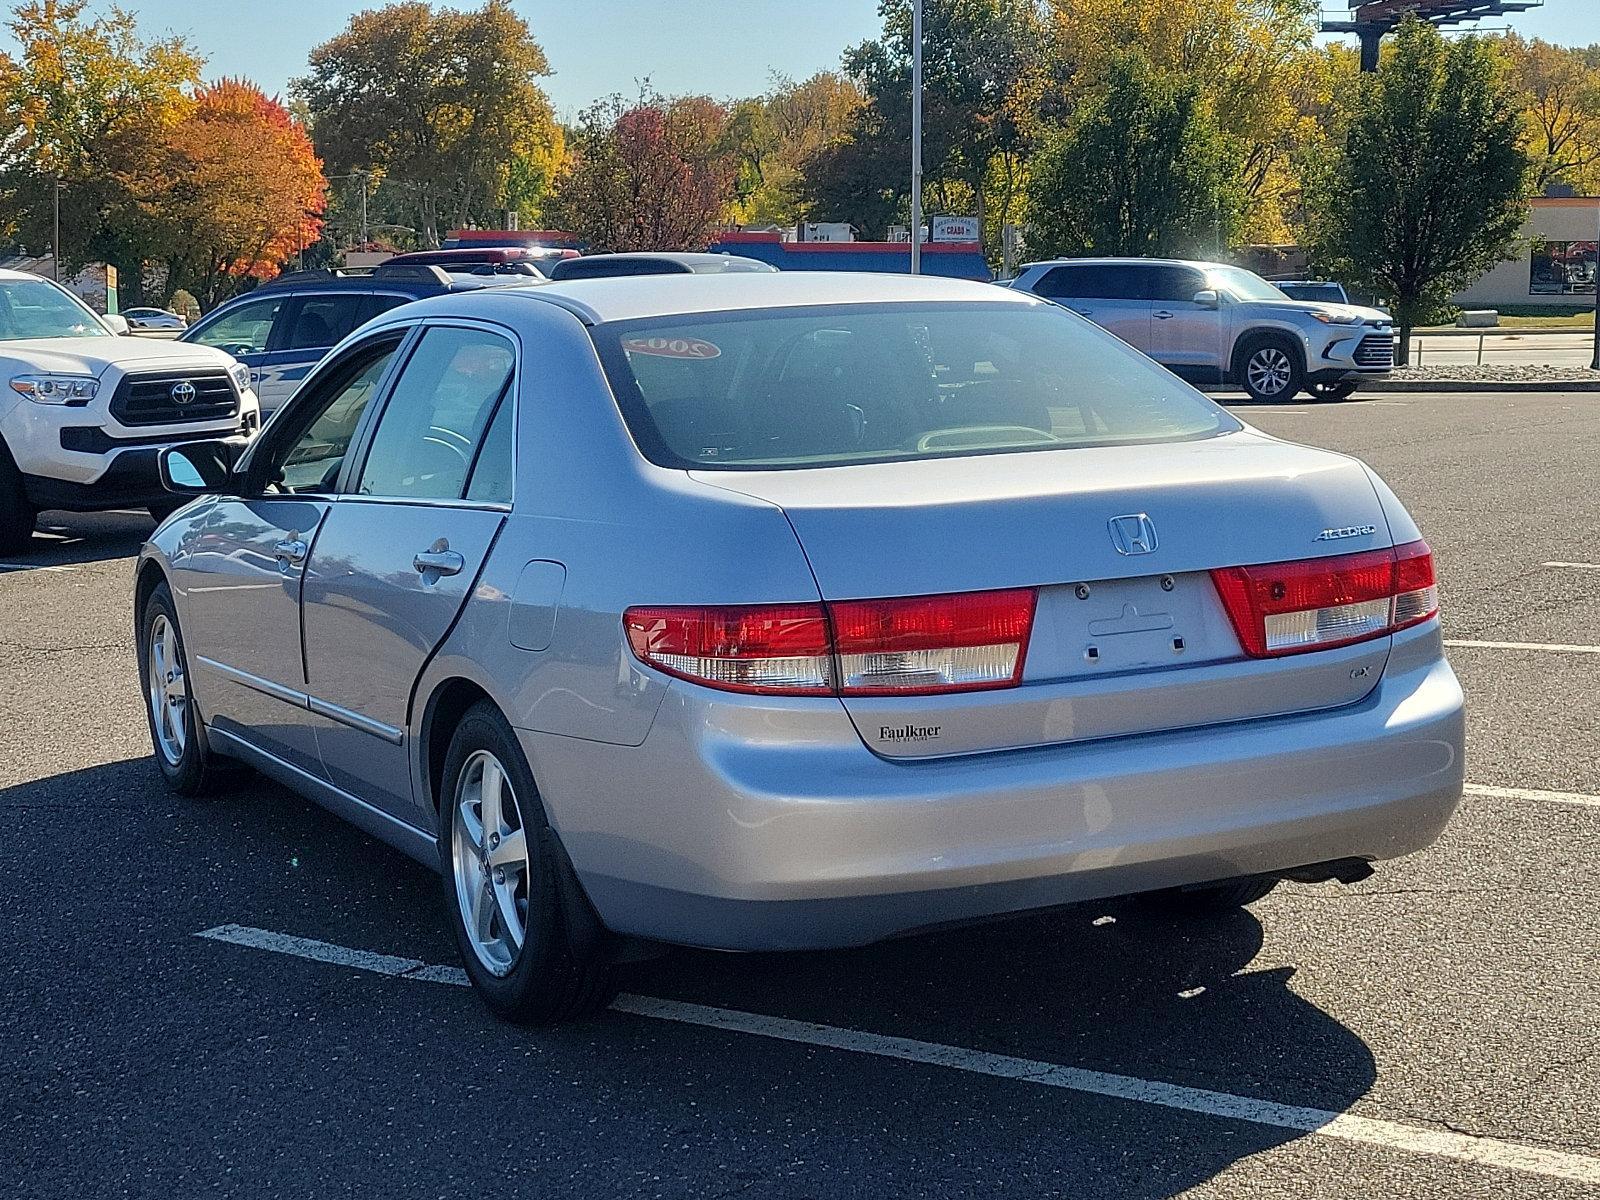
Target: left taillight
(1319, 603)
(922, 645)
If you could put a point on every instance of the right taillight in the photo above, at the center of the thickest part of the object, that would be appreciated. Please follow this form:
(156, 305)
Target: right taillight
(1319, 603)
(921, 645)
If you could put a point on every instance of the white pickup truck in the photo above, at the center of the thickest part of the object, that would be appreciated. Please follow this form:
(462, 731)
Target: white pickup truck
(84, 412)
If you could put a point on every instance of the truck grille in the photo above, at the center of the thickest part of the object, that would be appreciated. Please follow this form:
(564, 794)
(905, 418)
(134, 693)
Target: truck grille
(1375, 351)
(148, 398)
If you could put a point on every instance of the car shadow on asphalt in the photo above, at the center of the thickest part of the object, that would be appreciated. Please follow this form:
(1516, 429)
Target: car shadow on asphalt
(1107, 987)
(63, 539)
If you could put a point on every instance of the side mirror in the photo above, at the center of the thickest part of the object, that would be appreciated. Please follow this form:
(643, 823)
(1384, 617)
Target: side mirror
(198, 468)
(118, 323)
(1207, 299)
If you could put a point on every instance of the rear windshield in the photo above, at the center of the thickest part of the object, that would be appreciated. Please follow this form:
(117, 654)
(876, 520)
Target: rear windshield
(828, 386)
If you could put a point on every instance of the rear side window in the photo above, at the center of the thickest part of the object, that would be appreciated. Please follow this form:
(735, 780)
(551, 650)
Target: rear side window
(1095, 281)
(316, 322)
(439, 410)
(876, 383)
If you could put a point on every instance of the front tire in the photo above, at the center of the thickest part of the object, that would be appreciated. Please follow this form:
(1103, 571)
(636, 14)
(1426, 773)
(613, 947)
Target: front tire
(1269, 368)
(503, 883)
(17, 516)
(177, 735)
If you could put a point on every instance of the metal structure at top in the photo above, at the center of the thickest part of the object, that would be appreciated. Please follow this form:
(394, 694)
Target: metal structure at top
(1371, 20)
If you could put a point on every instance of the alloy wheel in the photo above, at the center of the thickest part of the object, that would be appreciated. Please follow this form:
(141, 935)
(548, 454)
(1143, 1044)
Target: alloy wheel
(489, 858)
(168, 690)
(1269, 371)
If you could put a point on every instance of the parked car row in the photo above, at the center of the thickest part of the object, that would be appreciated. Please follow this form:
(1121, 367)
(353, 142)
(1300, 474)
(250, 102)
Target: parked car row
(65, 449)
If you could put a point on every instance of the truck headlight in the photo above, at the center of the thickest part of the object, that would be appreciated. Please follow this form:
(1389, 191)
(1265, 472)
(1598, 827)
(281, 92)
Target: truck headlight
(56, 389)
(241, 377)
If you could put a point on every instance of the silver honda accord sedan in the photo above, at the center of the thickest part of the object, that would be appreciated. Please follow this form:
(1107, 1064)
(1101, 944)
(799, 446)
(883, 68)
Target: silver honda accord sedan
(783, 611)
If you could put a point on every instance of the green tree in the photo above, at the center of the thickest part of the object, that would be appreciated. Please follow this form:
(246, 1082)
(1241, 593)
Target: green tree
(444, 103)
(1428, 190)
(91, 104)
(984, 69)
(1140, 170)
(655, 174)
(776, 136)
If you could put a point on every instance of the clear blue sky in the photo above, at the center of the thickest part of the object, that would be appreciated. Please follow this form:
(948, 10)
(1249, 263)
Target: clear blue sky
(721, 47)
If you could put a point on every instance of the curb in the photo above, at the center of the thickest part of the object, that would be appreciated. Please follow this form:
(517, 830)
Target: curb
(1486, 385)
(1387, 386)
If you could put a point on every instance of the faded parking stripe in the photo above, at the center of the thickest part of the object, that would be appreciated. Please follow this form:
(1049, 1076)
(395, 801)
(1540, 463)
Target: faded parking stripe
(1415, 1139)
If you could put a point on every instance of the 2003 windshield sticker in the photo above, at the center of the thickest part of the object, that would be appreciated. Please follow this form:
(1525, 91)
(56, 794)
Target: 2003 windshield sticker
(664, 347)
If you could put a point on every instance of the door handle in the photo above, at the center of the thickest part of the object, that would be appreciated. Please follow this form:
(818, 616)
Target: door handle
(1084, 312)
(1162, 315)
(441, 561)
(291, 551)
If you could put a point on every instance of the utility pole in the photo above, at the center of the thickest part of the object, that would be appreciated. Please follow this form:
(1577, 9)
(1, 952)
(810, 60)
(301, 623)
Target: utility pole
(55, 243)
(1595, 364)
(364, 177)
(916, 137)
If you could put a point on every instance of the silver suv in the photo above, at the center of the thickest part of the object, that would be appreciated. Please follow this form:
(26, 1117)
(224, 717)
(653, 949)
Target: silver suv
(1212, 323)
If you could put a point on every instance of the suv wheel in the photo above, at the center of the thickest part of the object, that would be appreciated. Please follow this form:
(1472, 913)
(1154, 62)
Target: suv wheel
(1341, 390)
(1270, 370)
(17, 516)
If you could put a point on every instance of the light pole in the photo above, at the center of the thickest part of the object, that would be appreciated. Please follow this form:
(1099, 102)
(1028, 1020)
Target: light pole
(1594, 365)
(916, 137)
(55, 244)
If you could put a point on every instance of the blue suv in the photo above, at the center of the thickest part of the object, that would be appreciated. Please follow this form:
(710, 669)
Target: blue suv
(282, 329)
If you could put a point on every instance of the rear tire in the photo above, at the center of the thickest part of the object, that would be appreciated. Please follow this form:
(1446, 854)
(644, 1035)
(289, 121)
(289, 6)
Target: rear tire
(177, 734)
(1332, 392)
(1210, 901)
(17, 516)
(1269, 368)
(504, 884)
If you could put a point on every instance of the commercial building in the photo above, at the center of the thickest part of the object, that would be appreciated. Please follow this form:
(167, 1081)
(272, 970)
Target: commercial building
(1555, 265)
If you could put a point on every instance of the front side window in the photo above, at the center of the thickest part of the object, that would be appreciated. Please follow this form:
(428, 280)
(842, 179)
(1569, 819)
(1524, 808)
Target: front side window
(431, 430)
(309, 460)
(35, 308)
(875, 383)
(1176, 285)
(241, 330)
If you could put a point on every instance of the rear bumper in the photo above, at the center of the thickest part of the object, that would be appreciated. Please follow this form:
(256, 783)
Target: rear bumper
(732, 828)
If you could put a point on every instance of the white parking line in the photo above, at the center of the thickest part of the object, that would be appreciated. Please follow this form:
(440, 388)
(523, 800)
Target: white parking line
(5, 566)
(1415, 1139)
(1573, 566)
(1582, 799)
(1555, 647)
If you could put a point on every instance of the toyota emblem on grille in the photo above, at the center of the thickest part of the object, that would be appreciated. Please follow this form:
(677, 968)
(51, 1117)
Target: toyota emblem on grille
(1134, 533)
(182, 392)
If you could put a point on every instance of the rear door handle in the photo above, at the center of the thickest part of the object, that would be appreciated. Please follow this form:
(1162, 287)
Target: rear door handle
(291, 551)
(441, 562)
(1162, 315)
(1084, 312)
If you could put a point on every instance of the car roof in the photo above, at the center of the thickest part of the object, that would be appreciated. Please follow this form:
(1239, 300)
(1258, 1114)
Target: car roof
(1124, 262)
(629, 297)
(418, 279)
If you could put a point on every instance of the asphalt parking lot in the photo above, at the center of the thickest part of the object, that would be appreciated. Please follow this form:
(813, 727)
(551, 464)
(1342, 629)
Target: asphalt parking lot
(1431, 1032)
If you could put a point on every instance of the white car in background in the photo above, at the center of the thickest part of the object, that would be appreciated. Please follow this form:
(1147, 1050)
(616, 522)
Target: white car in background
(85, 412)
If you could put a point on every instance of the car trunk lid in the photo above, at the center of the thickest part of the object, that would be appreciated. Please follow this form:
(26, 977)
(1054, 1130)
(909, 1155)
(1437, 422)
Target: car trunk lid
(1129, 634)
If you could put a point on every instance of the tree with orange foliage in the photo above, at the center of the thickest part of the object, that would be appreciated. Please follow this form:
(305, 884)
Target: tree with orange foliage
(246, 191)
